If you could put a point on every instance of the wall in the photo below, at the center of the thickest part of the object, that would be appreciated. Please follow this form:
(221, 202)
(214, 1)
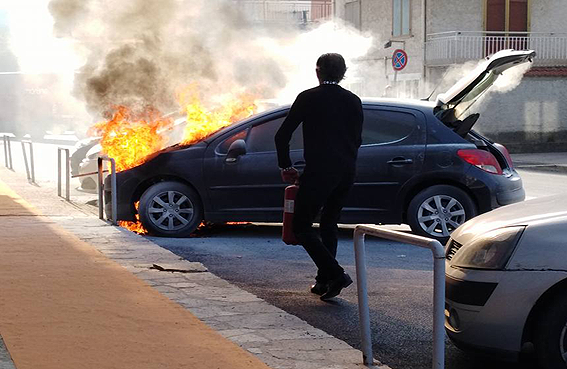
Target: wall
(548, 15)
(528, 118)
(451, 15)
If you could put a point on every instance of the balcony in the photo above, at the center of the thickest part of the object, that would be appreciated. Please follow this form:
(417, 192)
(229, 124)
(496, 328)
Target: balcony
(285, 11)
(456, 47)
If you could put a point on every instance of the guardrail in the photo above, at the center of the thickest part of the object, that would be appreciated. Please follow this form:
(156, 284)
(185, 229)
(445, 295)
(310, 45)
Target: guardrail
(438, 288)
(460, 46)
(8, 152)
(67, 173)
(100, 187)
(30, 174)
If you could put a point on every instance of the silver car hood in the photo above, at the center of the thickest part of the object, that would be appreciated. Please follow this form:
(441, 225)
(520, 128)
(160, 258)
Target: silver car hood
(543, 209)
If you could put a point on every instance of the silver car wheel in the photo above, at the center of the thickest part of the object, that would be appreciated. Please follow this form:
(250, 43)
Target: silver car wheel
(439, 215)
(170, 210)
(563, 343)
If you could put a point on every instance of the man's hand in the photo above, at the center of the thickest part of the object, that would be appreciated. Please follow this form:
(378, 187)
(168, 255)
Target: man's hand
(290, 175)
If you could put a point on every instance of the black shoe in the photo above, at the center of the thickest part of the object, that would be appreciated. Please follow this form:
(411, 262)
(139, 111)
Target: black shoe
(336, 285)
(319, 288)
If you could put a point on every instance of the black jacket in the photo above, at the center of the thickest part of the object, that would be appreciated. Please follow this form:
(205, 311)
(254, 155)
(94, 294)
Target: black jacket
(332, 126)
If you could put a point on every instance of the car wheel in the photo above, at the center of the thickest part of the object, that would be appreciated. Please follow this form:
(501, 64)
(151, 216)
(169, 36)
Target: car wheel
(550, 338)
(437, 211)
(170, 209)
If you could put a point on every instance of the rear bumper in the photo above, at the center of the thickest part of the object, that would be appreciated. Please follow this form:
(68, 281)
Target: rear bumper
(492, 191)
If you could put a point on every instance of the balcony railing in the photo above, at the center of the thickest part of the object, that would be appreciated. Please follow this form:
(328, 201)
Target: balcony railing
(458, 47)
(285, 11)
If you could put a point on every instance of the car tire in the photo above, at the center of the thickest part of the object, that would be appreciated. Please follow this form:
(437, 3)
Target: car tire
(550, 339)
(170, 209)
(438, 210)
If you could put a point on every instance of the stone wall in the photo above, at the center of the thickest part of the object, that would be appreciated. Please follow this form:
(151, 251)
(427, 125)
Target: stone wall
(530, 118)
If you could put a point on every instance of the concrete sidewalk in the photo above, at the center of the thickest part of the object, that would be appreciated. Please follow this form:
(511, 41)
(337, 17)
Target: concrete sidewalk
(65, 305)
(553, 162)
(77, 292)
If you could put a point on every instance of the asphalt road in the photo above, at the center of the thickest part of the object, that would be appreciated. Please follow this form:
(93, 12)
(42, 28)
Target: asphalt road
(400, 277)
(400, 285)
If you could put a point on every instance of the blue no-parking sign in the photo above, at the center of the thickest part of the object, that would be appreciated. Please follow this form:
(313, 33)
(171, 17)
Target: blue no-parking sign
(399, 59)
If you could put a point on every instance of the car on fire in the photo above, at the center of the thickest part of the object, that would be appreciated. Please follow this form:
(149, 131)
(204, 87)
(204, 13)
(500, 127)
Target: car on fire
(506, 282)
(420, 163)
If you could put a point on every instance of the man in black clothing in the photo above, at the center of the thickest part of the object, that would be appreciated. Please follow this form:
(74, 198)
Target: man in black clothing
(332, 125)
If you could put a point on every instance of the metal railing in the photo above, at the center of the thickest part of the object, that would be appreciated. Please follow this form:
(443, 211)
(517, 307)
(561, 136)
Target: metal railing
(67, 173)
(29, 173)
(100, 187)
(458, 47)
(8, 152)
(285, 11)
(438, 288)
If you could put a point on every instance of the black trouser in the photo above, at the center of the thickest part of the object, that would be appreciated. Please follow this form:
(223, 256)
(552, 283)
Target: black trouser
(325, 192)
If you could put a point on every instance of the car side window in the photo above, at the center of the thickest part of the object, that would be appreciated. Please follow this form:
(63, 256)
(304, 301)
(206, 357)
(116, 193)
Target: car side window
(225, 145)
(261, 138)
(387, 126)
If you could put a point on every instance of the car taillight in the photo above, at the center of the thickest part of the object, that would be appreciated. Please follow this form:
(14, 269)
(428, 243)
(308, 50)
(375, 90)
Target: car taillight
(506, 154)
(481, 159)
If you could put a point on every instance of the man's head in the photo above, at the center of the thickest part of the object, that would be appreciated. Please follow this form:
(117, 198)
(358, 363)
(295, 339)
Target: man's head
(331, 67)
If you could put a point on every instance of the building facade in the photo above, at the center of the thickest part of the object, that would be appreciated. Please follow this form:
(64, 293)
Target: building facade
(445, 38)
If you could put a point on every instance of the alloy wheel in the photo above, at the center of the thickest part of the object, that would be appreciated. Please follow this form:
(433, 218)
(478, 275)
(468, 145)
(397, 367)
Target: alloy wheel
(439, 215)
(170, 210)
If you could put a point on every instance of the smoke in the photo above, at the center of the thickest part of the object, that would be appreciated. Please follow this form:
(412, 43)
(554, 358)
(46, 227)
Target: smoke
(143, 51)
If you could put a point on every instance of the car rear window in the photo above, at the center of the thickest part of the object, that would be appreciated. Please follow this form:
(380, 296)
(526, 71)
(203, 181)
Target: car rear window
(386, 126)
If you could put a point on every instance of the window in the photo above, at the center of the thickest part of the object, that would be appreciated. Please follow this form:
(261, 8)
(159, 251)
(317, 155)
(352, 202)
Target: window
(225, 145)
(352, 13)
(506, 15)
(386, 126)
(261, 137)
(503, 16)
(401, 17)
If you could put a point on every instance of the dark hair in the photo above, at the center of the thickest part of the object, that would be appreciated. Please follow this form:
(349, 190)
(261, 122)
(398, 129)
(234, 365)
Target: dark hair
(331, 67)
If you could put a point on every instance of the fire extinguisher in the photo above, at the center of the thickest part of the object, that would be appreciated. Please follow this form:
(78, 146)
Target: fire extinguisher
(289, 208)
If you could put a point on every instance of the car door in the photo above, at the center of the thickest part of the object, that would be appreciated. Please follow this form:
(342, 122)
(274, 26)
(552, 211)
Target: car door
(392, 151)
(250, 188)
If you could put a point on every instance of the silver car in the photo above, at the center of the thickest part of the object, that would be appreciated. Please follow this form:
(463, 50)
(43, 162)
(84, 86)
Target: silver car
(506, 281)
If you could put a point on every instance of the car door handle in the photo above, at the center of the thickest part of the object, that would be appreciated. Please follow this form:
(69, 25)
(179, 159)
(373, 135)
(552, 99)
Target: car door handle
(400, 161)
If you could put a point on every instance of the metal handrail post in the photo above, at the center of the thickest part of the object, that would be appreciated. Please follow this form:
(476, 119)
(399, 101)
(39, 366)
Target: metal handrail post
(5, 150)
(30, 174)
(67, 173)
(113, 189)
(362, 292)
(438, 287)
(10, 151)
(100, 185)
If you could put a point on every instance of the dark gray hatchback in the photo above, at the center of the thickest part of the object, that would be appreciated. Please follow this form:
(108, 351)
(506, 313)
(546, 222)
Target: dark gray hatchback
(419, 164)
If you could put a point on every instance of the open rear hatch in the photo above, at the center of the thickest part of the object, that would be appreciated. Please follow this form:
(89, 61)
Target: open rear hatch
(452, 104)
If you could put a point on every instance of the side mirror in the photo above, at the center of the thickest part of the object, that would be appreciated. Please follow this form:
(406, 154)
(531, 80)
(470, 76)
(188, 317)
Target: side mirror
(236, 149)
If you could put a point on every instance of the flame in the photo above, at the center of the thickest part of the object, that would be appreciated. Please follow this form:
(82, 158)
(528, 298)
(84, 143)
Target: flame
(202, 122)
(136, 226)
(129, 139)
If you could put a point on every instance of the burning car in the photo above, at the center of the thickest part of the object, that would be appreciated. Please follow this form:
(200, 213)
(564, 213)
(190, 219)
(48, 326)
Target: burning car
(420, 163)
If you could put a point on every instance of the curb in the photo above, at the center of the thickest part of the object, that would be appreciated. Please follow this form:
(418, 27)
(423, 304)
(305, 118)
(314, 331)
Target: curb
(546, 168)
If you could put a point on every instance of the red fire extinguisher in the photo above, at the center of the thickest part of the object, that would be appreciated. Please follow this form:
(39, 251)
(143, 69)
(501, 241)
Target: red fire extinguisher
(289, 208)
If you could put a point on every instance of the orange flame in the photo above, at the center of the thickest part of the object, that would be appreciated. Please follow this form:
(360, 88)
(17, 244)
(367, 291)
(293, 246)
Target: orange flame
(129, 139)
(202, 122)
(136, 226)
